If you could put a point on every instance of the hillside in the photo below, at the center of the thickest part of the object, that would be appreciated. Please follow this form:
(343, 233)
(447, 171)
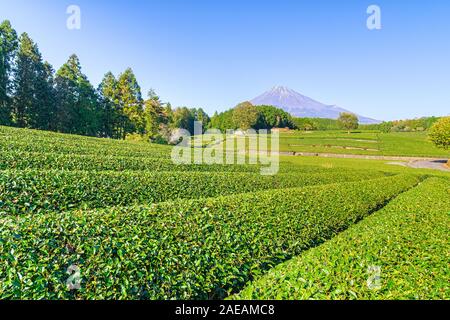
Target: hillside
(137, 226)
(302, 106)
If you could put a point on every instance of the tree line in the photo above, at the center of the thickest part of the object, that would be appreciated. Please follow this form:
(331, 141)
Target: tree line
(408, 125)
(247, 116)
(33, 95)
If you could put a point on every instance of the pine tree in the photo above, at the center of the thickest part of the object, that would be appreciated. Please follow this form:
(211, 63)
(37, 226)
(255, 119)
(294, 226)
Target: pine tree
(8, 47)
(183, 118)
(130, 103)
(154, 114)
(46, 98)
(78, 107)
(33, 102)
(202, 117)
(111, 114)
(168, 114)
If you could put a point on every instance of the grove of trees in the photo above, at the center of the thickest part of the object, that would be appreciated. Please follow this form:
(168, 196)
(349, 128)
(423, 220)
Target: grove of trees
(33, 95)
(408, 125)
(245, 116)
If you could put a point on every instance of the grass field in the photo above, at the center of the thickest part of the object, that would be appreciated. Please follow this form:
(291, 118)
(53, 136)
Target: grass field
(414, 144)
(139, 227)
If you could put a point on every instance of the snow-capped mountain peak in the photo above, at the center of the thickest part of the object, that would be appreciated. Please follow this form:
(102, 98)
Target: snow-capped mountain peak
(299, 105)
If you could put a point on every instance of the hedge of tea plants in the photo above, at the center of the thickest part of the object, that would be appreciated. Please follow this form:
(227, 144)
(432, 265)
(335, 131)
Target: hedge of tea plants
(31, 191)
(407, 242)
(25, 140)
(185, 249)
(89, 162)
(61, 161)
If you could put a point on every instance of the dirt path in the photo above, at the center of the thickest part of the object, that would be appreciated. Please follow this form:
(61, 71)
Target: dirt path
(424, 164)
(411, 162)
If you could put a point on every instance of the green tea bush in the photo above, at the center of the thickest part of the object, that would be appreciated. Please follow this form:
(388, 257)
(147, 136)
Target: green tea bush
(68, 146)
(35, 190)
(440, 133)
(61, 161)
(79, 162)
(25, 140)
(407, 240)
(185, 249)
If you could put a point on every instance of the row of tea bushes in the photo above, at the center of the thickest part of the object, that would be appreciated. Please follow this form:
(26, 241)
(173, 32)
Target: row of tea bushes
(26, 140)
(35, 190)
(186, 249)
(77, 162)
(83, 149)
(60, 161)
(401, 252)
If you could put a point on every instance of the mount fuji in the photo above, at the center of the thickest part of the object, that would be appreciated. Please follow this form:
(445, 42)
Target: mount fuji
(299, 105)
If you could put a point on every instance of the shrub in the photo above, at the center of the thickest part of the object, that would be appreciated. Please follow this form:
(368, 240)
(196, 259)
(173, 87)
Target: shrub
(407, 240)
(186, 249)
(440, 133)
(35, 190)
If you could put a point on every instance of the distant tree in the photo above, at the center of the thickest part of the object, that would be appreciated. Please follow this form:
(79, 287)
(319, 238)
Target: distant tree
(385, 127)
(272, 117)
(223, 121)
(183, 118)
(428, 122)
(168, 112)
(46, 95)
(419, 124)
(245, 115)
(154, 114)
(214, 121)
(348, 121)
(33, 103)
(78, 108)
(305, 124)
(326, 124)
(202, 116)
(8, 47)
(112, 116)
(131, 102)
(440, 133)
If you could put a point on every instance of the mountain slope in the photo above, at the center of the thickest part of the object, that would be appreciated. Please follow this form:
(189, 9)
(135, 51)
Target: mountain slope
(299, 105)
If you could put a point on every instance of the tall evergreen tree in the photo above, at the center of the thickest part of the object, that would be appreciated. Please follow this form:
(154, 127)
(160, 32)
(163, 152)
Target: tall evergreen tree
(46, 98)
(112, 116)
(33, 87)
(202, 116)
(8, 47)
(183, 118)
(154, 114)
(78, 107)
(130, 103)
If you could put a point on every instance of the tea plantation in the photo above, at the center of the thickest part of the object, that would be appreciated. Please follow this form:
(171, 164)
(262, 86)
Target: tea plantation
(139, 227)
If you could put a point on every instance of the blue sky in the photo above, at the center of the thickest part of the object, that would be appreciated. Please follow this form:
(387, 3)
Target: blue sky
(215, 54)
